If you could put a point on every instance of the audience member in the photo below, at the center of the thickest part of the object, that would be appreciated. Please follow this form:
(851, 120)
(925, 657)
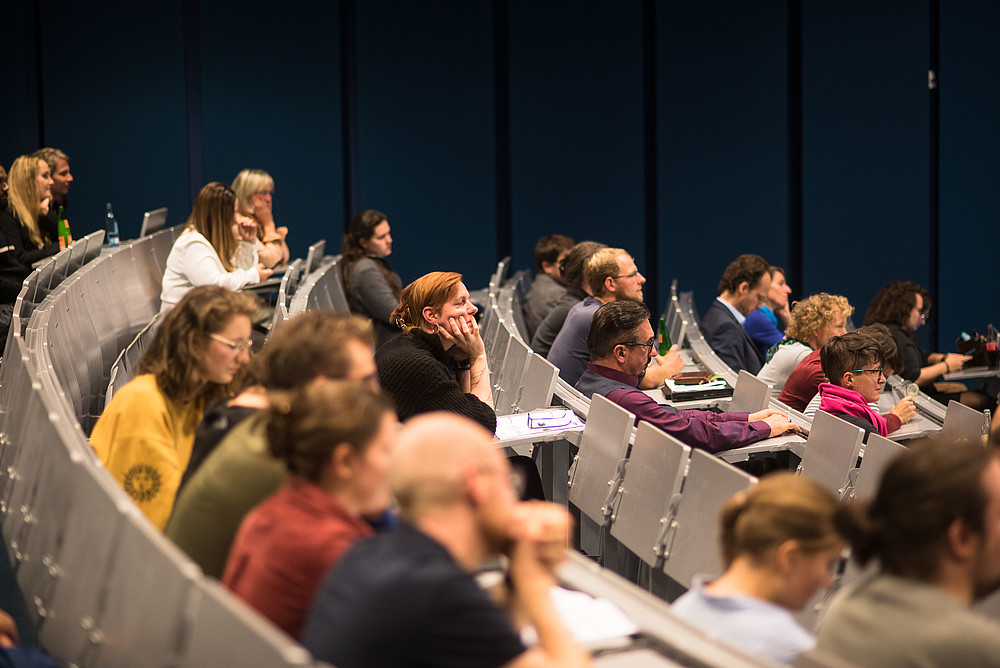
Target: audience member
(29, 185)
(762, 324)
(224, 413)
(577, 288)
(439, 364)
(240, 472)
(780, 544)
(612, 275)
(854, 364)
(548, 287)
(903, 306)
(408, 597)
(621, 344)
(335, 440)
(934, 529)
(144, 436)
(371, 285)
(813, 321)
(213, 249)
(743, 288)
(254, 190)
(14, 267)
(58, 163)
(904, 410)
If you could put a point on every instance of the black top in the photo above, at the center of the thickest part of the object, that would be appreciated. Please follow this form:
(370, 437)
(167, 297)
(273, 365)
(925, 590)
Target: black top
(419, 375)
(219, 420)
(400, 599)
(914, 357)
(16, 256)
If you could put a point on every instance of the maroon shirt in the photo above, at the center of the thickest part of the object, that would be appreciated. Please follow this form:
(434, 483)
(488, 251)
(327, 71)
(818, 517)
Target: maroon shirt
(803, 383)
(704, 430)
(284, 549)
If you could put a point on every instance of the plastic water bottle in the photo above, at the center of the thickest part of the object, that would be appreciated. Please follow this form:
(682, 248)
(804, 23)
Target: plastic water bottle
(111, 236)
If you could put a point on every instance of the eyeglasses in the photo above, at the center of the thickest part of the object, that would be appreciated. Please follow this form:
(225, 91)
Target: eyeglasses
(633, 344)
(876, 372)
(924, 316)
(236, 346)
(632, 275)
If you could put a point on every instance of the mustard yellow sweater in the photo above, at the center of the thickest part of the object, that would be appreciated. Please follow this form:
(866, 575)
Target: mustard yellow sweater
(144, 440)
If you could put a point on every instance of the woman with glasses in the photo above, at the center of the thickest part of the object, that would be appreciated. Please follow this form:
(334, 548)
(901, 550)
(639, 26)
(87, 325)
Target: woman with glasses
(215, 248)
(853, 363)
(144, 436)
(903, 306)
(371, 285)
(254, 190)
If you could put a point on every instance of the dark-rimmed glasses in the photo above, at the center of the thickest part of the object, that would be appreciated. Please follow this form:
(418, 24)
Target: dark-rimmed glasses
(635, 344)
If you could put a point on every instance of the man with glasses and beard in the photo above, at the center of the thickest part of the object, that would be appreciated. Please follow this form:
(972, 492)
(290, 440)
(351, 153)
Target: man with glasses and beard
(621, 344)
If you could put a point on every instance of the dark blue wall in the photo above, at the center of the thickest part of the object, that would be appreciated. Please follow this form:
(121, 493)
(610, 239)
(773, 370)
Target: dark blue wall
(576, 124)
(865, 147)
(722, 148)
(686, 132)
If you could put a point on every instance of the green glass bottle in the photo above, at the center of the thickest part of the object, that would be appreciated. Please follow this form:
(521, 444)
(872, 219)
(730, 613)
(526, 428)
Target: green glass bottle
(663, 338)
(62, 230)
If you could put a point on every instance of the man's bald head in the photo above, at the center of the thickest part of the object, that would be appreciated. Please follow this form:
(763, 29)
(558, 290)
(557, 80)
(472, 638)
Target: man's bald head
(433, 458)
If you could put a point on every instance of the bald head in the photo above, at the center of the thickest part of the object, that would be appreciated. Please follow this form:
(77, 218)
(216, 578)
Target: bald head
(433, 458)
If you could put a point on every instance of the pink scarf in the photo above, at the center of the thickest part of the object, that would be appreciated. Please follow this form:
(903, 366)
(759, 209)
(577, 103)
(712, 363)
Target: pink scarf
(835, 399)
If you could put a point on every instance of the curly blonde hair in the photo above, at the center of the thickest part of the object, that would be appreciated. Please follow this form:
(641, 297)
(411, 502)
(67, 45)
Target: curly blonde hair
(814, 313)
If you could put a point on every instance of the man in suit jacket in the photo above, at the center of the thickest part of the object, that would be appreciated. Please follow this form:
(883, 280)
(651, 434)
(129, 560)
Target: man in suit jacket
(742, 289)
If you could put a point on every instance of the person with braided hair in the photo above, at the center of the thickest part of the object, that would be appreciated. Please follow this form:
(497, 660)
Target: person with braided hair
(335, 439)
(781, 540)
(439, 364)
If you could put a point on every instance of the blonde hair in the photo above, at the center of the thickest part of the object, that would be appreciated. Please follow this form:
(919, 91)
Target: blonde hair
(51, 156)
(250, 182)
(23, 195)
(599, 266)
(433, 290)
(781, 507)
(814, 313)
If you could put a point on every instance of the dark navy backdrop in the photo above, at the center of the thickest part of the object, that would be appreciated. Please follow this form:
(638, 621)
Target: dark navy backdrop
(478, 126)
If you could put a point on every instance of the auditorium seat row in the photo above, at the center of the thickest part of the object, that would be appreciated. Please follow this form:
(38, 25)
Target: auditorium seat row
(103, 586)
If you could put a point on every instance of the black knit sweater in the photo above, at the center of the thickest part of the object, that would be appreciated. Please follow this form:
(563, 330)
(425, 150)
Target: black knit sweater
(419, 375)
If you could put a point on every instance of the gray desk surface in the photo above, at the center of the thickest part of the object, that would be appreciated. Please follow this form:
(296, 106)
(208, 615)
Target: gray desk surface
(972, 373)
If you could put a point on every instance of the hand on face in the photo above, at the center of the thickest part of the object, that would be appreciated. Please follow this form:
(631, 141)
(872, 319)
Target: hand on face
(260, 204)
(541, 533)
(460, 334)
